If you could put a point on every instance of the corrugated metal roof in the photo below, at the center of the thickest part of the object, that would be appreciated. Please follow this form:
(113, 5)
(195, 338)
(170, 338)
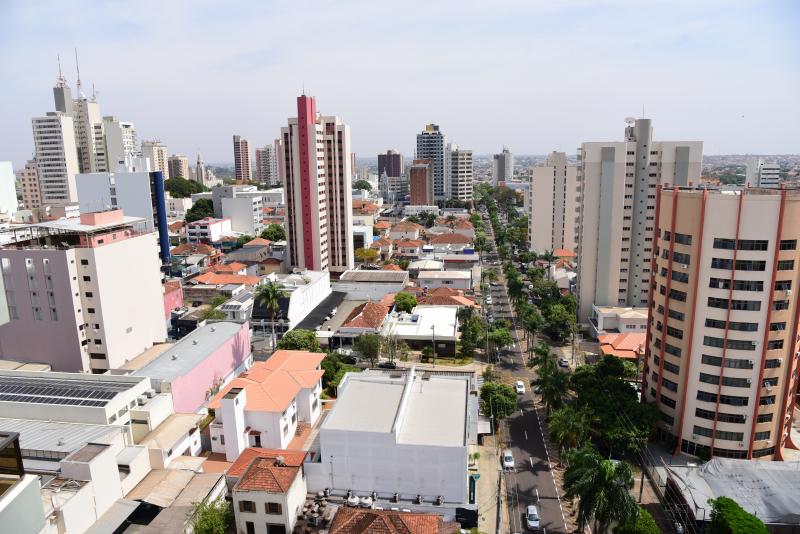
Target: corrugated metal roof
(56, 436)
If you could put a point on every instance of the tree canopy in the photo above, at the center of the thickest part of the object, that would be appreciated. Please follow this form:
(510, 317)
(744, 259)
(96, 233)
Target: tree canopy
(362, 184)
(367, 255)
(212, 517)
(405, 302)
(201, 209)
(299, 339)
(498, 399)
(179, 187)
(274, 232)
(727, 517)
(643, 524)
(369, 345)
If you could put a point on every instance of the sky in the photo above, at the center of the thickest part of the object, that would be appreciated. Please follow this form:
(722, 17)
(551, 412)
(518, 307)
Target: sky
(532, 75)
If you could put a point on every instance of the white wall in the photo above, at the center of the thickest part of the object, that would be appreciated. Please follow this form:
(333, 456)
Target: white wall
(21, 506)
(366, 291)
(8, 189)
(291, 503)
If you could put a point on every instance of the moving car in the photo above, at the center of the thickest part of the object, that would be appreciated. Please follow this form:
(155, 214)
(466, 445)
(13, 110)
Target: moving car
(507, 459)
(489, 301)
(532, 518)
(520, 387)
(563, 362)
(387, 365)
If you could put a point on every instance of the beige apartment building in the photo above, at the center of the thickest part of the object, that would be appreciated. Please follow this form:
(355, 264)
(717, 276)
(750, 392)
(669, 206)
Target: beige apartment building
(28, 178)
(241, 159)
(617, 210)
(553, 204)
(721, 360)
(156, 152)
(461, 169)
(178, 166)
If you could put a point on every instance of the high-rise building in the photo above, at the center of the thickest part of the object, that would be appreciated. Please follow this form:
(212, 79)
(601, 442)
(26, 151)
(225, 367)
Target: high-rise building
(200, 173)
(760, 173)
(82, 292)
(432, 145)
(137, 193)
(277, 148)
(265, 165)
(315, 168)
(502, 166)
(178, 166)
(391, 163)
(8, 190)
(28, 179)
(721, 361)
(241, 159)
(392, 188)
(89, 135)
(553, 204)
(56, 157)
(421, 183)
(120, 140)
(461, 173)
(156, 152)
(617, 208)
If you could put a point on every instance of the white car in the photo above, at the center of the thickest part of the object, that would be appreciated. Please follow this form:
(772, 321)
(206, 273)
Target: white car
(507, 459)
(489, 301)
(520, 387)
(532, 518)
(563, 362)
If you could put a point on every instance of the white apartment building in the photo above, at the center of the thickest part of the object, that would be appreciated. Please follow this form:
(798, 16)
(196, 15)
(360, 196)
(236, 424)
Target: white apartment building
(28, 179)
(75, 297)
(760, 173)
(8, 190)
(207, 230)
(315, 167)
(120, 140)
(157, 153)
(553, 204)
(243, 205)
(432, 145)
(461, 173)
(265, 165)
(56, 157)
(502, 166)
(618, 208)
(89, 137)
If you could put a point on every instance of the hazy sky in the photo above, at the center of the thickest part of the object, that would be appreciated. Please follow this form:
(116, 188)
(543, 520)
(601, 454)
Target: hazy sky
(533, 75)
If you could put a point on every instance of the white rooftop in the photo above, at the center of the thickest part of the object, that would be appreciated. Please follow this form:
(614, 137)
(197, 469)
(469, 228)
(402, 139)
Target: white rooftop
(74, 224)
(366, 405)
(53, 439)
(446, 275)
(423, 322)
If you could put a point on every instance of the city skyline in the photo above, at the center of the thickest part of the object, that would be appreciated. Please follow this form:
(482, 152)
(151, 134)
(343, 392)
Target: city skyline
(245, 81)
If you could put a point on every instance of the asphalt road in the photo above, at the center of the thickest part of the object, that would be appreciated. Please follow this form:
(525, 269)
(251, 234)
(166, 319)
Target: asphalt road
(531, 482)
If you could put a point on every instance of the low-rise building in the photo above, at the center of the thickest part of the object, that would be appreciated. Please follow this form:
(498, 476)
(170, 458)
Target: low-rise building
(207, 230)
(615, 319)
(425, 326)
(370, 285)
(366, 318)
(452, 279)
(265, 405)
(304, 291)
(406, 230)
(625, 346)
(20, 499)
(384, 246)
(408, 248)
(360, 521)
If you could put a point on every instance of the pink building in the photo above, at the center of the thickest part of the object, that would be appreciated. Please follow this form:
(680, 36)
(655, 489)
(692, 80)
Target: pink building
(315, 168)
(84, 294)
(173, 297)
(199, 364)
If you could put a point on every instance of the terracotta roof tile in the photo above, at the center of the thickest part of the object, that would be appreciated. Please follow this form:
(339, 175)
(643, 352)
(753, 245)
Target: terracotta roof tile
(233, 267)
(290, 458)
(382, 242)
(382, 225)
(406, 226)
(172, 285)
(564, 253)
(367, 315)
(265, 475)
(392, 267)
(408, 243)
(361, 521)
(187, 249)
(450, 239)
(443, 291)
(219, 279)
(258, 242)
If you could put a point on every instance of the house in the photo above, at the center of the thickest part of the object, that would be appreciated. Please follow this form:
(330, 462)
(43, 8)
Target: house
(445, 296)
(360, 521)
(265, 405)
(365, 212)
(366, 318)
(207, 230)
(406, 230)
(195, 255)
(417, 266)
(408, 248)
(615, 319)
(450, 243)
(403, 432)
(254, 250)
(270, 266)
(213, 278)
(370, 285)
(384, 246)
(239, 307)
(392, 267)
(233, 267)
(628, 346)
(382, 227)
(460, 226)
(425, 326)
(460, 262)
(454, 279)
(304, 291)
(270, 493)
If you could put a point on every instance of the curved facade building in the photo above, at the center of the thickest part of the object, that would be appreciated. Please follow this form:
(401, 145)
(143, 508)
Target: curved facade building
(722, 347)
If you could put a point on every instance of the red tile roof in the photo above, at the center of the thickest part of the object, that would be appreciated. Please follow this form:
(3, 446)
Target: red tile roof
(187, 249)
(361, 521)
(623, 345)
(272, 385)
(406, 226)
(367, 315)
(392, 267)
(220, 279)
(450, 239)
(445, 300)
(408, 243)
(382, 242)
(290, 458)
(258, 242)
(233, 267)
(172, 285)
(382, 225)
(443, 291)
(175, 226)
(264, 474)
(463, 224)
(564, 253)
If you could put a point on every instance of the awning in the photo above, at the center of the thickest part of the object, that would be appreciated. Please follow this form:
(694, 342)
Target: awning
(114, 517)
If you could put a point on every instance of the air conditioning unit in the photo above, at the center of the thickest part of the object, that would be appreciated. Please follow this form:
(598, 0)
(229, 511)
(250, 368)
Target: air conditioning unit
(787, 291)
(751, 362)
(141, 400)
(150, 393)
(749, 381)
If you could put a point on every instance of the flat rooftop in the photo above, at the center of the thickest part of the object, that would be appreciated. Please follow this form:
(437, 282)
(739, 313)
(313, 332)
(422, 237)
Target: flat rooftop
(74, 224)
(423, 322)
(438, 275)
(378, 277)
(436, 412)
(56, 438)
(368, 404)
(190, 351)
(71, 389)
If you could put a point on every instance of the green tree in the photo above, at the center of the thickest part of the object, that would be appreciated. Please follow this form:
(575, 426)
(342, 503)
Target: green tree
(727, 517)
(299, 339)
(218, 301)
(602, 488)
(334, 370)
(643, 524)
(553, 386)
(367, 255)
(201, 209)
(405, 302)
(243, 240)
(179, 187)
(369, 345)
(210, 313)
(269, 297)
(558, 322)
(498, 399)
(362, 184)
(500, 338)
(274, 232)
(568, 428)
(212, 517)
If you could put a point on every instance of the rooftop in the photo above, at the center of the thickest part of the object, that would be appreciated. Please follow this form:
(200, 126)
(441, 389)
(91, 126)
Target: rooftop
(75, 224)
(366, 404)
(386, 277)
(218, 279)
(367, 315)
(628, 345)
(422, 322)
(360, 521)
(72, 389)
(450, 239)
(291, 458)
(623, 312)
(56, 438)
(444, 275)
(269, 475)
(171, 430)
(191, 351)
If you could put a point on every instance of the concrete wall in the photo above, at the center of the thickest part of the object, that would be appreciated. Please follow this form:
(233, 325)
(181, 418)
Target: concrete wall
(21, 507)
(291, 503)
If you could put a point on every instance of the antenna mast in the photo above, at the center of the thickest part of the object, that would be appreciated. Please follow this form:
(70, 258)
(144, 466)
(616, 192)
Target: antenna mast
(78, 68)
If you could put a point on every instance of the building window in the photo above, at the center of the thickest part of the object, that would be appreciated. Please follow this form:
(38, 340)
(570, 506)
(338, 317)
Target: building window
(775, 327)
(785, 265)
(788, 244)
(748, 305)
(753, 244)
(764, 418)
(273, 508)
(762, 435)
(87, 278)
(89, 294)
(767, 400)
(84, 262)
(775, 344)
(780, 305)
(90, 310)
(773, 363)
(783, 285)
(727, 244)
(731, 363)
(247, 506)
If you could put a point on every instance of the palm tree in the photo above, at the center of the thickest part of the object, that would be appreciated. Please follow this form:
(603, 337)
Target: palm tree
(553, 385)
(542, 355)
(269, 296)
(602, 487)
(549, 257)
(568, 428)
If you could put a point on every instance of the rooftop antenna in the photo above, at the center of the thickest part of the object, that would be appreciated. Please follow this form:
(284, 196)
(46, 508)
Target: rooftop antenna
(304, 88)
(94, 93)
(78, 68)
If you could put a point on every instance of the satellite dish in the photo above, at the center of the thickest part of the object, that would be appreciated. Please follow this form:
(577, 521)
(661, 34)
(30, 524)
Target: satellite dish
(630, 121)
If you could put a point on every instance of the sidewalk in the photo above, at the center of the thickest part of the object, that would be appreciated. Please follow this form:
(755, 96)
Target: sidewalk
(486, 487)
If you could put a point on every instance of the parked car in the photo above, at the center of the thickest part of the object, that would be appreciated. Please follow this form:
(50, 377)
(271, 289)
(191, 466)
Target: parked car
(489, 301)
(532, 518)
(387, 365)
(495, 284)
(563, 362)
(520, 387)
(350, 359)
(507, 459)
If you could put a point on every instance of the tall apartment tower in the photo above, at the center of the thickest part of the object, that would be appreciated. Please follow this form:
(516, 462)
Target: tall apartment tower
(759, 173)
(157, 153)
(200, 172)
(392, 164)
(82, 292)
(553, 201)
(618, 197)
(56, 157)
(432, 145)
(721, 361)
(277, 148)
(461, 173)
(241, 159)
(28, 178)
(178, 166)
(315, 167)
(120, 142)
(265, 164)
(502, 166)
(420, 182)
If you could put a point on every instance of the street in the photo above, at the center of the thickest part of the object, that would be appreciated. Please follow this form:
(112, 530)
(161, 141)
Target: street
(532, 477)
